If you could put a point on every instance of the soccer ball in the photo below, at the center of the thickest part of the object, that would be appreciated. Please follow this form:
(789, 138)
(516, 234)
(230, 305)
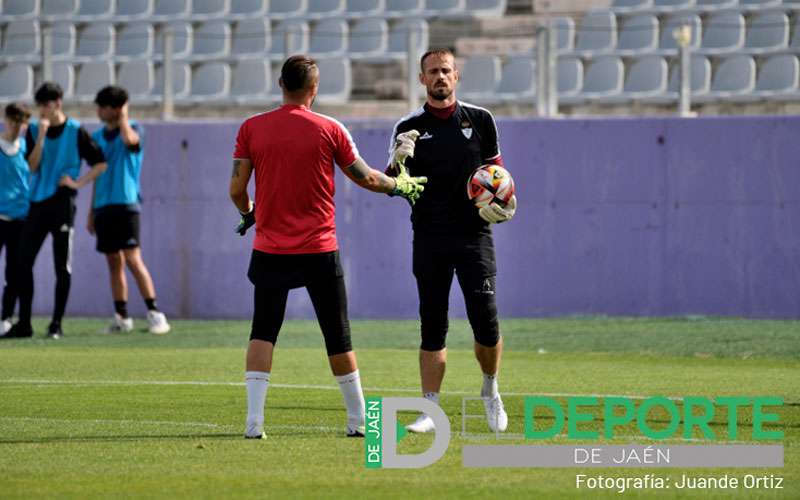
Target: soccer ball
(490, 183)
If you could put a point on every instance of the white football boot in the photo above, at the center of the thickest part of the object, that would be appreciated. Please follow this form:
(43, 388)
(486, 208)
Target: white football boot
(120, 325)
(421, 425)
(157, 323)
(5, 326)
(496, 416)
(254, 430)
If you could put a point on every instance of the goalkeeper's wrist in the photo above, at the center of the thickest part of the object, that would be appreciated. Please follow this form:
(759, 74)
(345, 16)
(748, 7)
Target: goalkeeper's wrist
(252, 207)
(394, 191)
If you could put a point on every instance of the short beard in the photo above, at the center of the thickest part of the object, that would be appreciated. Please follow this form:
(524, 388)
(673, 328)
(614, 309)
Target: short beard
(440, 97)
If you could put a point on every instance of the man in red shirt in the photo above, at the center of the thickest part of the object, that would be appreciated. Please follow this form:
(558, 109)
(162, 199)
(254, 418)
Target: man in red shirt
(292, 150)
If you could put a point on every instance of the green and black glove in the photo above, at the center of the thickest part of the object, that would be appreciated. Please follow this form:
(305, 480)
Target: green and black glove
(247, 220)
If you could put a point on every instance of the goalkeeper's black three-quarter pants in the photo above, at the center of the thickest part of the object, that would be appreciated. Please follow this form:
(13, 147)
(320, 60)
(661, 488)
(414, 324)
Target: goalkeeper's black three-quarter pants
(321, 274)
(472, 260)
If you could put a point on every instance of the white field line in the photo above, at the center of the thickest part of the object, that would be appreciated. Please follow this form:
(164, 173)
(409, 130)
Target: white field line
(304, 387)
(163, 422)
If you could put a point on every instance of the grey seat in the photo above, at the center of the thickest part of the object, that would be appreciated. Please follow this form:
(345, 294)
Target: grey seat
(714, 5)
(17, 10)
(211, 81)
(444, 8)
(58, 9)
(64, 75)
(62, 43)
(723, 33)
(402, 8)
(767, 32)
(756, 5)
(251, 37)
(137, 77)
(646, 77)
(204, 10)
(597, 33)
(604, 78)
(282, 9)
(129, 10)
(699, 81)
(95, 10)
(735, 75)
(565, 33)
(16, 82)
(247, 9)
(777, 80)
(672, 5)
(365, 8)
(135, 41)
(92, 76)
(369, 37)
(181, 40)
(22, 41)
(667, 44)
(181, 76)
(296, 30)
(479, 77)
(251, 80)
(211, 39)
(570, 76)
(518, 79)
(794, 44)
(639, 34)
(335, 81)
(329, 38)
(171, 10)
(322, 9)
(95, 41)
(626, 6)
(398, 37)
(486, 8)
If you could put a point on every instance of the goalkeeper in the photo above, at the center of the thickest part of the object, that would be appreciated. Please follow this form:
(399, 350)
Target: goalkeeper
(292, 151)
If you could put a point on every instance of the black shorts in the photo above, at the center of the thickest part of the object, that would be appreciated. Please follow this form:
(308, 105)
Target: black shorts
(116, 227)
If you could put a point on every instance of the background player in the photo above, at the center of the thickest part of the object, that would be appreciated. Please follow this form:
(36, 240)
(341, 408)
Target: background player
(114, 215)
(450, 234)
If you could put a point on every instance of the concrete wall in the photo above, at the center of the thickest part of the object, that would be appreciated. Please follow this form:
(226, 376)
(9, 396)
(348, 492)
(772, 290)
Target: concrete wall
(616, 216)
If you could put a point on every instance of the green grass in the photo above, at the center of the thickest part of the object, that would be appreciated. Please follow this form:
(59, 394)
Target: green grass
(79, 420)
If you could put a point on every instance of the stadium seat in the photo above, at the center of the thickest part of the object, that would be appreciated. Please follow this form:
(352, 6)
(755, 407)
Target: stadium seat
(777, 80)
(137, 77)
(328, 38)
(181, 40)
(64, 75)
(134, 41)
(478, 78)
(16, 10)
(247, 9)
(699, 81)
(251, 81)
(203, 10)
(604, 78)
(672, 5)
(398, 37)
(735, 75)
(518, 79)
(565, 33)
(335, 81)
(444, 8)
(211, 81)
(486, 8)
(756, 5)
(639, 34)
(282, 9)
(170, 10)
(93, 76)
(211, 39)
(403, 8)
(570, 76)
(251, 37)
(597, 33)
(58, 9)
(62, 44)
(181, 76)
(667, 44)
(22, 42)
(714, 5)
(293, 30)
(324, 9)
(723, 33)
(767, 32)
(646, 77)
(95, 41)
(364, 8)
(626, 6)
(16, 82)
(131, 10)
(95, 10)
(794, 45)
(369, 37)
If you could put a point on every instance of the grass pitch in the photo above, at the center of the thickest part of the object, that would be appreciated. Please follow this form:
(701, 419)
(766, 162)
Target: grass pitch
(140, 416)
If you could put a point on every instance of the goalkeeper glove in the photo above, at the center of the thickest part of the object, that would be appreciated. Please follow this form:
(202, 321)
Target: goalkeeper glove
(246, 221)
(495, 214)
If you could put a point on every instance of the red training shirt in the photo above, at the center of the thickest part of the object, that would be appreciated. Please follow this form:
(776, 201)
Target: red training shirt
(292, 150)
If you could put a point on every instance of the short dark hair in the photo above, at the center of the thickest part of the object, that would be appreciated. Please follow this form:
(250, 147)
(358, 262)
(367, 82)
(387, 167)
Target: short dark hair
(299, 73)
(435, 52)
(18, 112)
(48, 92)
(112, 95)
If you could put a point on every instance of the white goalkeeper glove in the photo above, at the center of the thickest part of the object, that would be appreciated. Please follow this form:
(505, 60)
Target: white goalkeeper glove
(403, 148)
(495, 214)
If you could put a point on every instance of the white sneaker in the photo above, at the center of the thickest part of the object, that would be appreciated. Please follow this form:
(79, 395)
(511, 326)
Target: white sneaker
(120, 325)
(157, 322)
(254, 430)
(355, 431)
(496, 415)
(5, 326)
(422, 425)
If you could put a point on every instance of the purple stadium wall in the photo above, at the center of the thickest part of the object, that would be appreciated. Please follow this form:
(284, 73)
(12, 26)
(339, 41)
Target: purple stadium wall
(654, 216)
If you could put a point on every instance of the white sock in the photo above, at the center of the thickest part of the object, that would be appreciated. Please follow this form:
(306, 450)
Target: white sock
(350, 385)
(431, 396)
(257, 383)
(489, 389)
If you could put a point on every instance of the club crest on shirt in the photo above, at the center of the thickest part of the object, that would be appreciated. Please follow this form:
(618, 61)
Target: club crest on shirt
(466, 129)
